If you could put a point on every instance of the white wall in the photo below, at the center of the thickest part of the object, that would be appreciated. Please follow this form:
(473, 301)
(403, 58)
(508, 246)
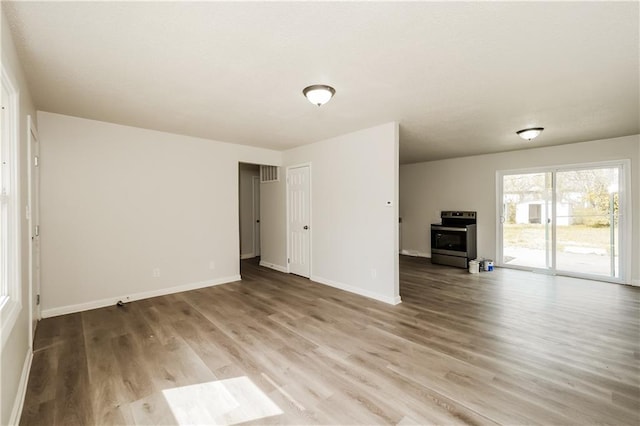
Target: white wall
(15, 354)
(469, 183)
(118, 202)
(247, 172)
(273, 221)
(353, 230)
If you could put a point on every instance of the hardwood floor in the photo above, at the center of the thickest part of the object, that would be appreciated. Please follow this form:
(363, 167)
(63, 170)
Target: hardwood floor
(502, 347)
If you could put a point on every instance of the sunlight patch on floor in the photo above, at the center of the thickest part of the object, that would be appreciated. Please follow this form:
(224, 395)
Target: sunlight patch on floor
(222, 402)
(284, 392)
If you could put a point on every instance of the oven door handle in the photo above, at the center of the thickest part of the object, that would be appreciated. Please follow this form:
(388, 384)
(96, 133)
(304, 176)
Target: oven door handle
(448, 228)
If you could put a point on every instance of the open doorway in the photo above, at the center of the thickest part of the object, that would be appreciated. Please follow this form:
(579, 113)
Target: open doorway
(249, 210)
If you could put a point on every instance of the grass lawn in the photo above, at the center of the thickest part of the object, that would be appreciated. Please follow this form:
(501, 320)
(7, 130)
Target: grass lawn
(533, 236)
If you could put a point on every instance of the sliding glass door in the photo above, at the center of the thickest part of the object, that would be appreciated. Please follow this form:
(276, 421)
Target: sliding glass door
(563, 220)
(587, 221)
(526, 220)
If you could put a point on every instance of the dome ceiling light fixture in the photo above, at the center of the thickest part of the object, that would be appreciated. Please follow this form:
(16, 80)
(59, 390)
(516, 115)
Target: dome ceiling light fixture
(319, 94)
(530, 133)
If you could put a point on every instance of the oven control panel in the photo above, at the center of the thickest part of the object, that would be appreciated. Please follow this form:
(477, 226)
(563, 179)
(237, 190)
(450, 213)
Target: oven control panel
(457, 215)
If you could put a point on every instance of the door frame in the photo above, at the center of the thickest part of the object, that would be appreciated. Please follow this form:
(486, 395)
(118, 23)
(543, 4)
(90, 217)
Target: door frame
(289, 168)
(255, 183)
(31, 168)
(624, 218)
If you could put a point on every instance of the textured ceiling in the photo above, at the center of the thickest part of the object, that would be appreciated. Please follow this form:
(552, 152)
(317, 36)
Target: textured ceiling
(460, 78)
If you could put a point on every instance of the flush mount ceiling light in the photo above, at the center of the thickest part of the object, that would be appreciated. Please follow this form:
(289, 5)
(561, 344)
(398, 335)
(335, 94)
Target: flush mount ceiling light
(319, 94)
(531, 133)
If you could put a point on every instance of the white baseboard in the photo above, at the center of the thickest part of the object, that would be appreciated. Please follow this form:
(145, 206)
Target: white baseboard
(69, 309)
(351, 289)
(415, 253)
(247, 256)
(21, 392)
(274, 266)
(635, 283)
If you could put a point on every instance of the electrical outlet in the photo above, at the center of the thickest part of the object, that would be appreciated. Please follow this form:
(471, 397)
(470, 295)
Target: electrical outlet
(212, 265)
(156, 273)
(374, 273)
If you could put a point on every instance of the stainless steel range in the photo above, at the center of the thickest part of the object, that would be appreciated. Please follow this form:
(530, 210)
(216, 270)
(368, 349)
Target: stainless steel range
(454, 241)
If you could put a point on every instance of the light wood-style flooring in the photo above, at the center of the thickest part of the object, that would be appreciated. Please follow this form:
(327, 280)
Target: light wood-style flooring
(503, 347)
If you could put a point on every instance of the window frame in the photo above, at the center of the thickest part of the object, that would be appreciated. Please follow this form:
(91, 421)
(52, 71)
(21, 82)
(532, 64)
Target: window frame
(11, 282)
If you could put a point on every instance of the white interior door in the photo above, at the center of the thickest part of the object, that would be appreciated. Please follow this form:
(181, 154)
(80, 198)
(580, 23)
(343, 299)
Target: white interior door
(34, 225)
(256, 215)
(299, 223)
